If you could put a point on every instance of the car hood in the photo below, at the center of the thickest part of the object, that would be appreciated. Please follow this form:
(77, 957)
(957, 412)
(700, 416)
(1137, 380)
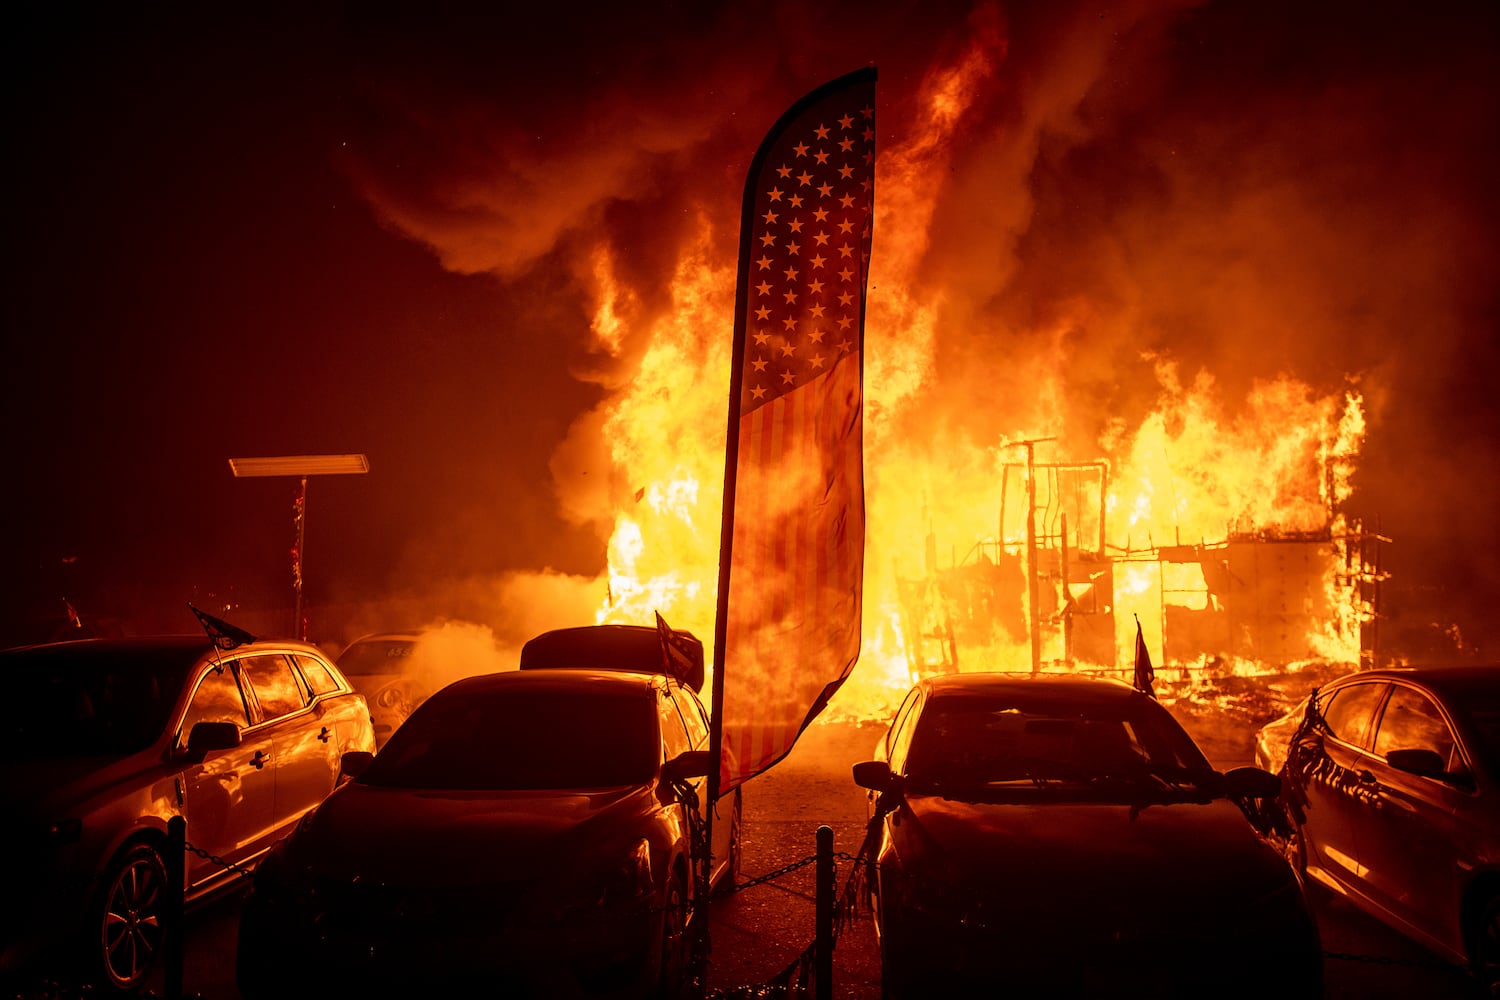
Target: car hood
(43, 790)
(456, 837)
(1156, 856)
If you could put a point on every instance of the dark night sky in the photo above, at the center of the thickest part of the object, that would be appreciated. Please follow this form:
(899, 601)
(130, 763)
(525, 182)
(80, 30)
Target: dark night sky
(364, 228)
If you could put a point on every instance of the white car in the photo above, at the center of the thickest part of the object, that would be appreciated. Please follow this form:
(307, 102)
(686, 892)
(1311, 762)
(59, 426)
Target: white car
(379, 665)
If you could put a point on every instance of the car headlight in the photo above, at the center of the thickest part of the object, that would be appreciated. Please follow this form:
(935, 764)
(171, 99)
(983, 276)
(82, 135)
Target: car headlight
(630, 878)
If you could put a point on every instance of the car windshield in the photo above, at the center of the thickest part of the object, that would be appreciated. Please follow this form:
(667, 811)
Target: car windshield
(1103, 746)
(1482, 706)
(86, 703)
(523, 740)
(376, 656)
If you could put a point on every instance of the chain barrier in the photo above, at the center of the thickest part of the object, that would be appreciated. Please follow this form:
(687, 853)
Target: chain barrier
(215, 859)
(1411, 963)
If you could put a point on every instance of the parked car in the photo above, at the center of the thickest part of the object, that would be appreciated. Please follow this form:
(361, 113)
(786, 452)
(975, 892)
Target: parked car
(530, 832)
(379, 667)
(102, 741)
(1393, 788)
(1062, 835)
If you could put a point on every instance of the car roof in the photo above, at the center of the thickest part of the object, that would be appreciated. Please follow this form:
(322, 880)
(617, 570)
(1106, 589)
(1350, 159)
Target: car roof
(371, 638)
(556, 679)
(133, 647)
(1075, 686)
(387, 637)
(629, 648)
(1442, 679)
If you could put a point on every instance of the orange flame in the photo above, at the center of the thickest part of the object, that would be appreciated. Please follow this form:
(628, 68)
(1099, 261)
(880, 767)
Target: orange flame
(1192, 473)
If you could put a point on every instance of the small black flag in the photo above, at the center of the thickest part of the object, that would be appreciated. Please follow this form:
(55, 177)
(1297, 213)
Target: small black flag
(1145, 674)
(681, 654)
(224, 635)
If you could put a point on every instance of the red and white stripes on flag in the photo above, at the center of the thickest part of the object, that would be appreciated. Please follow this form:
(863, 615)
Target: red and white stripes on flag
(792, 556)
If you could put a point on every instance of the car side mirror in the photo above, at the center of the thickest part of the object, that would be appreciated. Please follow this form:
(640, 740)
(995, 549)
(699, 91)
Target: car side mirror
(206, 736)
(1421, 762)
(876, 775)
(353, 763)
(686, 766)
(1251, 782)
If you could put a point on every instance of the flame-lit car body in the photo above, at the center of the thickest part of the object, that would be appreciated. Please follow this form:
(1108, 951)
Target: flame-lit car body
(1064, 836)
(102, 741)
(523, 833)
(377, 665)
(1393, 788)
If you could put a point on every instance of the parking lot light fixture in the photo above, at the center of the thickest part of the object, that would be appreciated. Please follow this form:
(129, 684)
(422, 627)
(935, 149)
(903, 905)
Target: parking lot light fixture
(301, 466)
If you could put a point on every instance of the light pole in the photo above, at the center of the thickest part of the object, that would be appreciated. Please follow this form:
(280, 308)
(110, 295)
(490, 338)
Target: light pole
(301, 466)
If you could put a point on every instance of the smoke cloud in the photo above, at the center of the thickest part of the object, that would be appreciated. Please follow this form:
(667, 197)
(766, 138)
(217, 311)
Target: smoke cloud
(1248, 191)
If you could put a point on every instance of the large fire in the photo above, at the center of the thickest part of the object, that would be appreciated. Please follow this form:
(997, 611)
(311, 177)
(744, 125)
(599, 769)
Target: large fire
(1213, 522)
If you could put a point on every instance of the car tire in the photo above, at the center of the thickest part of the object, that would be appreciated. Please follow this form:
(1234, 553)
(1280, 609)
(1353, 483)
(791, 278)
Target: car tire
(1484, 945)
(674, 939)
(126, 924)
(736, 844)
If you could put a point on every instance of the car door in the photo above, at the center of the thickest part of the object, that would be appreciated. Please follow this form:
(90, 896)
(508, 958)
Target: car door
(694, 722)
(304, 773)
(344, 721)
(228, 798)
(1331, 778)
(1410, 827)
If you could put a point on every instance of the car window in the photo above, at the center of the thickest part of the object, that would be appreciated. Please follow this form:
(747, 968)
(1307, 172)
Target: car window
(1411, 721)
(902, 713)
(1349, 711)
(674, 734)
(217, 699)
(693, 716)
(376, 656)
(507, 739)
(983, 740)
(274, 684)
(317, 675)
(899, 741)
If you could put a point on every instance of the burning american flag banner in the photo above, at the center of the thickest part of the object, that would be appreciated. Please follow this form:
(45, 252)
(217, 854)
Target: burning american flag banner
(791, 560)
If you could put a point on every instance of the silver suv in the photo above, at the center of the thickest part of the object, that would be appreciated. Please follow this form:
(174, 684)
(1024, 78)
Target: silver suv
(103, 740)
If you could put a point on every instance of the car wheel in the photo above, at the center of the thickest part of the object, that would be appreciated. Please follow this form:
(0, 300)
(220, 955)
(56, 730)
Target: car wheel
(892, 987)
(673, 939)
(736, 844)
(1484, 948)
(128, 918)
(1294, 849)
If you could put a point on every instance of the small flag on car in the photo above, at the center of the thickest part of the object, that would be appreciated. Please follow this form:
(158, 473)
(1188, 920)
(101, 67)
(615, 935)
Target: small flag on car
(1145, 674)
(224, 635)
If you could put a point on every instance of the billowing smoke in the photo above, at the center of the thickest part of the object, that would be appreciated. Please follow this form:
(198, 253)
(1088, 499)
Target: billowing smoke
(1234, 193)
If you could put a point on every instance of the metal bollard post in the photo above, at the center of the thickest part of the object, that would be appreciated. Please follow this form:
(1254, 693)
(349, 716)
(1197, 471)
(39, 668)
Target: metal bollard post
(823, 952)
(176, 863)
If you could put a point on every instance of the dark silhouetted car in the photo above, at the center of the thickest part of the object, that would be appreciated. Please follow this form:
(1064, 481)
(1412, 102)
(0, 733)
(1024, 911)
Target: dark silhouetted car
(103, 740)
(1060, 835)
(1393, 789)
(531, 832)
(379, 666)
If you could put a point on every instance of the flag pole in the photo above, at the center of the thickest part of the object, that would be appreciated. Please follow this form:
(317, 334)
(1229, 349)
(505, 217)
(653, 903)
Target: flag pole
(731, 479)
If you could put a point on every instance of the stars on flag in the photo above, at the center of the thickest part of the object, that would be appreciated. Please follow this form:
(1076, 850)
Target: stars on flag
(811, 231)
